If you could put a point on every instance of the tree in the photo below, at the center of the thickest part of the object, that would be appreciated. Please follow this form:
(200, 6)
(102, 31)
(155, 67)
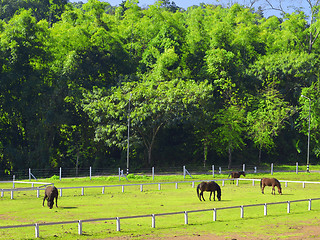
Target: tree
(154, 105)
(267, 117)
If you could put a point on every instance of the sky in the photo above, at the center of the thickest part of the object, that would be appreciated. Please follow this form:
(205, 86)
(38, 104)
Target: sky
(288, 5)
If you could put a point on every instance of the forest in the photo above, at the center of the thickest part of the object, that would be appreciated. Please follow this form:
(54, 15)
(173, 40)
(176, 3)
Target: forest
(90, 84)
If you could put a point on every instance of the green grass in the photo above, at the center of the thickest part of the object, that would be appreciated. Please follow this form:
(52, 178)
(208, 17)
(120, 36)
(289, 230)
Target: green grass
(25, 208)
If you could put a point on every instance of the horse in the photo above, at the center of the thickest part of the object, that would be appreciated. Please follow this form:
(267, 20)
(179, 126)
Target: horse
(51, 193)
(209, 187)
(236, 175)
(270, 182)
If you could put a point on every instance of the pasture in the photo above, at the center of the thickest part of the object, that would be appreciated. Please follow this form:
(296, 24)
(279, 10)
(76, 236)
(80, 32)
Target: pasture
(26, 208)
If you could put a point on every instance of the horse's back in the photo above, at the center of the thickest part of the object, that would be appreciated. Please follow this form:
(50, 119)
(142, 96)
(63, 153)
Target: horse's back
(270, 181)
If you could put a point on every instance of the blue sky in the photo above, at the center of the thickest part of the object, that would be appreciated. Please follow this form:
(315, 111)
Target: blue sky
(288, 5)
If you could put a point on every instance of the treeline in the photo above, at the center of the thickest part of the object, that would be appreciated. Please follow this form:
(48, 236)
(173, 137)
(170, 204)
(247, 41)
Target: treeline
(206, 85)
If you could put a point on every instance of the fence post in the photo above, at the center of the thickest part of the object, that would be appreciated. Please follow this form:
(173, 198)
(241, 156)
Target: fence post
(11, 194)
(186, 217)
(214, 214)
(103, 190)
(192, 184)
(288, 207)
(38, 191)
(265, 209)
(141, 188)
(29, 174)
(255, 169)
(309, 205)
(61, 192)
(286, 184)
(176, 185)
(244, 167)
(90, 171)
(118, 224)
(119, 173)
(222, 183)
(212, 170)
(184, 172)
(82, 191)
(13, 179)
(219, 170)
(60, 173)
(253, 182)
(303, 184)
(237, 181)
(297, 165)
(153, 221)
(36, 228)
(271, 168)
(80, 227)
(159, 186)
(122, 188)
(241, 211)
(153, 173)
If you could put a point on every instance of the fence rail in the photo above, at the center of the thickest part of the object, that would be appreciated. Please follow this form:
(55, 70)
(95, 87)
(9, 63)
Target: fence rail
(153, 216)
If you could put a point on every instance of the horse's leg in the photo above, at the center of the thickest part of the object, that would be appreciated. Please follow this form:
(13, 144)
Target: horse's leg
(45, 196)
(201, 195)
(210, 195)
(214, 195)
(273, 190)
(262, 189)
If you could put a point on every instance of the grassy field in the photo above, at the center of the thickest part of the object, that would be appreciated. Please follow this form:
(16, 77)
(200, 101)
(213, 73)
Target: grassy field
(26, 208)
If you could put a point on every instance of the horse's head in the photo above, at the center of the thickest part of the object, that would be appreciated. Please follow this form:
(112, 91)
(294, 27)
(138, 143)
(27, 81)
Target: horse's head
(50, 203)
(243, 173)
(279, 190)
(219, 194)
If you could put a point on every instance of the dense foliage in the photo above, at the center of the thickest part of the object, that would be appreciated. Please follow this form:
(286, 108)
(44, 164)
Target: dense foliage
(202, 86)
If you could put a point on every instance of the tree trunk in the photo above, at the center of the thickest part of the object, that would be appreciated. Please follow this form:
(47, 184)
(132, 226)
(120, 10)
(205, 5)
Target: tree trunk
(230, 158)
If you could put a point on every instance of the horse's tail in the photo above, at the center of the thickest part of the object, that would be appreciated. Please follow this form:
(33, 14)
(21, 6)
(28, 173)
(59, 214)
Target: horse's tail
(198, 188)
(261, 183)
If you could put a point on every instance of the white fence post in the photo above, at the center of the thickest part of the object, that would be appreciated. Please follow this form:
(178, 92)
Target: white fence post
(60, 173)
(244, 167)
(252, 182)
(11, 195)
(186, 217)
(36, 228)
(118, 224)
(141, 188)
(237, 181)
(265, 209)
(119, 171)
(90, 172)
(309, 205)
(153, 221)
(29, 174)
(82, 191)
(241, 211)
(103, 190)
(297, 165)
(38, 193)
(303, 184)
(212, 170)
(159, 186)
(184, 172)
(80, 227)
(271, 168)
(214, 214)
(61, 192)
(288, 207)
(13, 179)
(255, 169)
(122, 188)
(153, 173)
(219, 170)
(176, 185)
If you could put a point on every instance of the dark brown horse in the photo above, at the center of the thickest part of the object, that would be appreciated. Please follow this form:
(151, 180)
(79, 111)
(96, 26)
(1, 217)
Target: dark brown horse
(50, 194)
(209, 187)
(236, 175)
(270, 182)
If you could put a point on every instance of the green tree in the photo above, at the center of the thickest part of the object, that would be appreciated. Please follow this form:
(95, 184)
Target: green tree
(154, 105)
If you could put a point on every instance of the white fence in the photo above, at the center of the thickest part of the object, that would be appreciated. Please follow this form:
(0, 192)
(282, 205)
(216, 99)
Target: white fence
(122, 186)
(153, 216)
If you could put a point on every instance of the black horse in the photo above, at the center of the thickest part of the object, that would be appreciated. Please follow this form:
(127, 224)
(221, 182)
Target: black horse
(209, 187)
(236, 175)
(50, 194)
(270, 182)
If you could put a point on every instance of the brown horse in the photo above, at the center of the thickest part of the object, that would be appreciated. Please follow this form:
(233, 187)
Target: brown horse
(50, 194)
(236, 175)
(209, 187)
(270, 182)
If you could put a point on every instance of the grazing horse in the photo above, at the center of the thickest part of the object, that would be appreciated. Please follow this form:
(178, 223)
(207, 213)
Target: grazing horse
(209, 187)
(236, 175)
(270, 182)
(51, 193)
